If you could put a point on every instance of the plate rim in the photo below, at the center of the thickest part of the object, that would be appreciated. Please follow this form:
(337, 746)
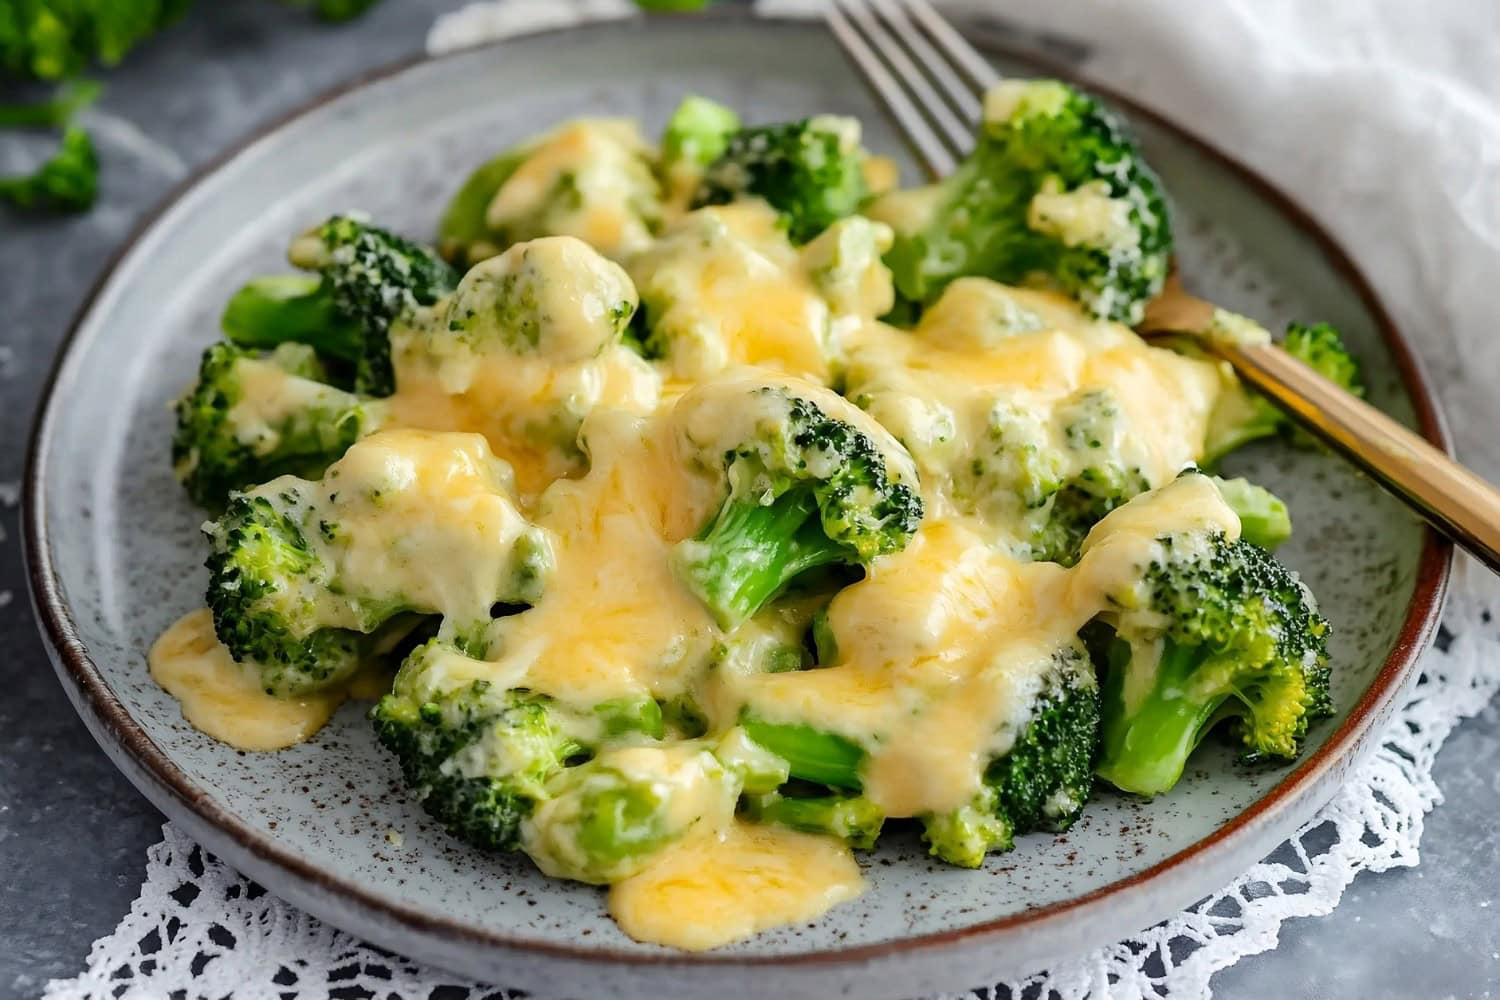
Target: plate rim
(154, 774)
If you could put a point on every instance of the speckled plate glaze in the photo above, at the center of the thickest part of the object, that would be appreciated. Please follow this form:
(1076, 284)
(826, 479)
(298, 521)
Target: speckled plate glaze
(115, 554)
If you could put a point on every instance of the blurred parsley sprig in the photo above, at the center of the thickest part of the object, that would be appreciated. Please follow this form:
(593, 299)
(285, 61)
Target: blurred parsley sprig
(53, 40)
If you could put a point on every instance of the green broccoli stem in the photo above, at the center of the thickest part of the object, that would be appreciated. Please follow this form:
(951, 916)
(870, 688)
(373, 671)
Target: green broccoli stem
(1145, 744)
(275, 309)
(852, 818)
(750, 552)
(811, 754)
(1264, 518)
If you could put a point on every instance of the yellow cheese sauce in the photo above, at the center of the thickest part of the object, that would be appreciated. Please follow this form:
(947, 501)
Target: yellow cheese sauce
(224, 699)
(611, 458)
(706, 892)
(615, 621)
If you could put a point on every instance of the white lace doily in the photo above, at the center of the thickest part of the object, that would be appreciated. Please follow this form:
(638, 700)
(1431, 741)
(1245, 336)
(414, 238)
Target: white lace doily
(1367, 74)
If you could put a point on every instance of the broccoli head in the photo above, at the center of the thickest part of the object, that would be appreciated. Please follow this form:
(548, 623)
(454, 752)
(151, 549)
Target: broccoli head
(1054, 193)
(1245, 416)
(811, 171)
(1042, 781)
(50, 40)
(809, 481)
(249, 419)
(476, 753)
(554, 297)
(1206, 629)
(844, 264)
(367, 278)
(67, 182)
(604, 820)
(304, 576)
(593, 179)
(723, 286)
(696, 135)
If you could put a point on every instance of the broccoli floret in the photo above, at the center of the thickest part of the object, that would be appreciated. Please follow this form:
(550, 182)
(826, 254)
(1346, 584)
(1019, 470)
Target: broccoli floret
(367, 279)
(845, 266)
(604, 820)
(1209, 630)
(554, 297)
(51, 39)
(810, 481)
(67, 182)
(249, 419)
(464, 238)
(1264, 518)
(715, 292)
(811, 171)
(1043, 781)
(696, 135)
(1055, 193)
(289, 581)
(1245, 416)
(1055, 477)
(477, 755)
(594, 179)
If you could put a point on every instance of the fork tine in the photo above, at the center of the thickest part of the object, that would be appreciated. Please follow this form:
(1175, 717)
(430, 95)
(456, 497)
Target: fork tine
(974, 66)
(936, 157)
(960, 95)
(957, 134)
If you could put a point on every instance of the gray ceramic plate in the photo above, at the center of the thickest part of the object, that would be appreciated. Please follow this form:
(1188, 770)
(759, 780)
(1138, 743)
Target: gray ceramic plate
(115, 554)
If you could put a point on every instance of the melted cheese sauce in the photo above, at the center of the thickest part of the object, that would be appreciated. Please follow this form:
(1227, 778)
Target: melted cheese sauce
(615, 621)
(420, 519)
(937, 389)
(224, 699)
(588, 179)
(724, 287)
(941, 648)
(706, 892)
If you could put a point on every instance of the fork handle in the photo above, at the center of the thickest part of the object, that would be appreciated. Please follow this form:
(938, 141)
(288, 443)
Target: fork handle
(1450, 497)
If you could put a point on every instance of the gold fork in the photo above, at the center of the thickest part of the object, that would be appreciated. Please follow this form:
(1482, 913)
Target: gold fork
(932, 81)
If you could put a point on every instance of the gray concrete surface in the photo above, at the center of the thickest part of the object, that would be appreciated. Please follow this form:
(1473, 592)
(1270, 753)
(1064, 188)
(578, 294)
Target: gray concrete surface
(73, 833)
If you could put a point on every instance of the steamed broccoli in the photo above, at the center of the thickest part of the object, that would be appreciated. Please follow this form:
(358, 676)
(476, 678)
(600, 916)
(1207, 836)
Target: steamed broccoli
(249, 419)
(715, 292)
(851, 818)
(476, 754)
(1246, 417)
(1040, 783)
(1264, 519)
(809, 481)
(811, 171)
(1210, 630)
(52, 39)
(367, 279)
(290, 581)
(603, 820)
(553, 297)
(593, 179)
(1055, 193)
(696, 135)
(69, 181)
